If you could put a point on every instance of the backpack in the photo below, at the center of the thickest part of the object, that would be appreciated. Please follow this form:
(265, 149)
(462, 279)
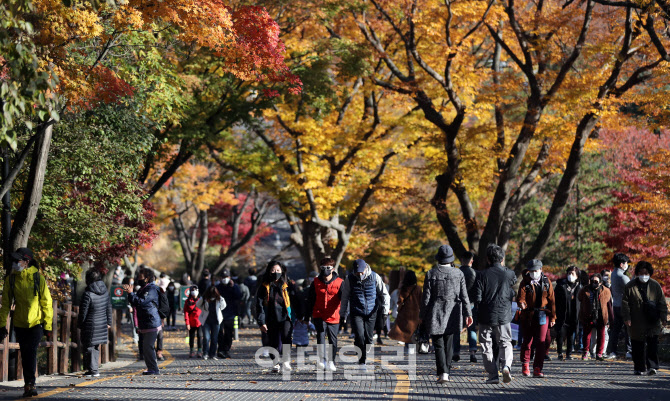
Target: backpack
(36, 282)
(163, 305)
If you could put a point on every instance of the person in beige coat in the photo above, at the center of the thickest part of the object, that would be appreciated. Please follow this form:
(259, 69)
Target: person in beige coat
(644, 312)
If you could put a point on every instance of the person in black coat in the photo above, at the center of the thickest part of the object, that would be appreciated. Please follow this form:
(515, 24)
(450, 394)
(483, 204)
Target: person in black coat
(567, 311)
(95, 319)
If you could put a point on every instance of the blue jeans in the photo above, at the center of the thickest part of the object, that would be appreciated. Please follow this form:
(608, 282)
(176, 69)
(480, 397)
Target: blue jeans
(210, 333)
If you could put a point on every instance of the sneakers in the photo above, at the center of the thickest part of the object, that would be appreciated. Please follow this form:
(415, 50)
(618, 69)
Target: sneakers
(629, 355)
(198, 355)
(149, 372)
(585, 356)
(569, 358)
(456, 358)
(363, 367)
(493, 380)
(379, 341)
(507, 376)
(561, 357)
(651, 372)
(29, 390)
(443, 378)
(473, 358)
(266, 354)
(599, 358)
(612, 355)
(287, 366)
(331, 366)
(226, 355)
(191, 354)
(547, 358)
(637, 373)
(206, 357)
(525, 369)
(220, 355)
(538, 373)
(215, 358)
(276, 368)
(321, 365)
(91, 374)
(411, 350)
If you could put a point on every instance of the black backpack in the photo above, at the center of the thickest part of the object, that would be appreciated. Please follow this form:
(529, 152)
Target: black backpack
(163, 306)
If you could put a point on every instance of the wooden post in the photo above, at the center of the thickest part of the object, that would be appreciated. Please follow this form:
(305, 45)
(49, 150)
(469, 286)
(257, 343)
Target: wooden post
(4, 362)
(52, 364)
(76, 354)
(104, 353)
(19, 366)
(66, 320)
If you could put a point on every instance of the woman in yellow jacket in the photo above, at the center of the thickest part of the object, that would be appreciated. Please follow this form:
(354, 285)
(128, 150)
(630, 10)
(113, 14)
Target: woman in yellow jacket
(26, 288)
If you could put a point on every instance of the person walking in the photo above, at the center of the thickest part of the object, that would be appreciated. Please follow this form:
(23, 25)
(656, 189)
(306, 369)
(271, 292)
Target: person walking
(382, 322)
(619, 281)
(493, 299)
(538, 313)
(231, 293)
(192, 321)
(409, 309)
(26, 289)
(445, 308)
(567, 312)
(470, 274)
(324, 298)
(645, 312)
(145, 303)
(205, 282)
(595, 312)
(273, 311)
(211, 305)
(366, 292)
(94, 320)
(171, 293)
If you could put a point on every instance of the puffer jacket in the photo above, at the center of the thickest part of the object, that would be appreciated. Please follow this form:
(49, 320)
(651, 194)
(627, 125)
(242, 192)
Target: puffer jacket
(324, 299)
(192, 312)
(30, 309)
(95, 314)
(145, 303)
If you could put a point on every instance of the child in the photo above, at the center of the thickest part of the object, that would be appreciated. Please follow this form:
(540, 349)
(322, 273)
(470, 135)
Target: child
(192, 320)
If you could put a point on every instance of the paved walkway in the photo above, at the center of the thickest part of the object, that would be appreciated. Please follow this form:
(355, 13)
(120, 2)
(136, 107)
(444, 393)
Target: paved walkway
(240, 378)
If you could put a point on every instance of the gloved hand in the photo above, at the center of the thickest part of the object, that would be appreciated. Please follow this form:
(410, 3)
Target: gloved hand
(3, 333)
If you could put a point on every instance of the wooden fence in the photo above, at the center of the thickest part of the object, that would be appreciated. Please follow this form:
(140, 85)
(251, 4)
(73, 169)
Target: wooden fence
(64, 351)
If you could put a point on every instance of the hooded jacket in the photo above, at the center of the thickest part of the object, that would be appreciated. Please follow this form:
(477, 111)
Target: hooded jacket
(95, 314)
(324, 299)
(363, 294)
(191, 312)
(30, 309)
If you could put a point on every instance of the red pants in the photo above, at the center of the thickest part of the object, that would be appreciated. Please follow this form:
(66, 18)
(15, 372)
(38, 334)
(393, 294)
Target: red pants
(535, 333)
(600, 327)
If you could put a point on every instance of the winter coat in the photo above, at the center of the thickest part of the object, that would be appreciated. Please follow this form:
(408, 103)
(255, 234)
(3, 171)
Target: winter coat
(567, 303)
(145, 303)
(203, 305)
(445, 303)
(493, 295)
(30, 310)
(409, 308)
(192, 313)
(364, 295)
(530, 295)
(586, 308)
(95, 314)
(268, 310)
(324, 299)
(232, 295)
(632, 309)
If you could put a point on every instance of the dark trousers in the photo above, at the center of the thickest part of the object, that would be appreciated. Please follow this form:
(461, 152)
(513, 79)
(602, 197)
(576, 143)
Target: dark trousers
(329, 330)
(565, 333)
(91, 358)
(615, 329)
(159, 341)
(444, 351)
(279, 334)
(226, 334)
(535, 334)
(363, 327)
(644, 360)
(172, 317)
(149, 350)
(29, 340)
(380, 324)
(194, 332)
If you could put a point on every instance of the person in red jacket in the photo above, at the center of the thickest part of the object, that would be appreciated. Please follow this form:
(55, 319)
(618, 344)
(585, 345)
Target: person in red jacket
(192, 320)
(323, 306)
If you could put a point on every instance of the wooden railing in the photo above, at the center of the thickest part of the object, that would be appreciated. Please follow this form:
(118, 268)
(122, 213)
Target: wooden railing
(64, 351)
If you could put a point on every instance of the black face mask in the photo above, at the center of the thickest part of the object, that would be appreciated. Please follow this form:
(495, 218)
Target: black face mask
(141, 283)
(276, 276)
(595, 285)
(326, 271)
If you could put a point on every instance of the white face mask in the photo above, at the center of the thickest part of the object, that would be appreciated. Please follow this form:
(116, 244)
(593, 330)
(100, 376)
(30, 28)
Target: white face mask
(624, 267)
(212, 299)
(535, 275)
(17, 267)
(644, 278)
(572, 278)
(226, 280)
(194, 293)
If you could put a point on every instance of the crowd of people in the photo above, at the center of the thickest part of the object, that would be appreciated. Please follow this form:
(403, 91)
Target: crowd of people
(588, 313)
